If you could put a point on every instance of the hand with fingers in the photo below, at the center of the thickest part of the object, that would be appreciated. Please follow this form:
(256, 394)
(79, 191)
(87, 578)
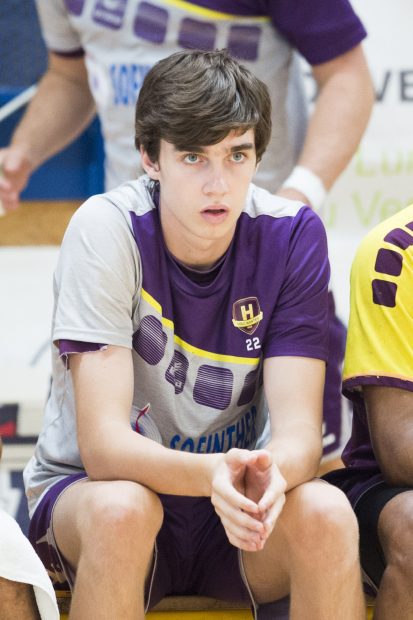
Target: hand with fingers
(265, 485)
(248, 495)
(15, 170)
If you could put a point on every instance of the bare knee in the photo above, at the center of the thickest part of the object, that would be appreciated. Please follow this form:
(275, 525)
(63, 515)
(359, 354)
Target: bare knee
(396, 534)
(122, 511)
(323, 523)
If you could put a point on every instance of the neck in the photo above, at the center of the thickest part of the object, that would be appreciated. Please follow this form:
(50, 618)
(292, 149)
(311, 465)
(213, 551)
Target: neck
(202, 258)
(191, 249)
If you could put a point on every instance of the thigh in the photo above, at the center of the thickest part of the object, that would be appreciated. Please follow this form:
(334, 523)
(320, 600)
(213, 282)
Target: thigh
(76, 511)
(91, 512)
(308, 526)
(42, 537)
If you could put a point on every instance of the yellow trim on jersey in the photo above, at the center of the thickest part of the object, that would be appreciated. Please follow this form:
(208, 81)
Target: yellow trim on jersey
(217, 357)
(157, 306)
(151, 301)
(211, 14)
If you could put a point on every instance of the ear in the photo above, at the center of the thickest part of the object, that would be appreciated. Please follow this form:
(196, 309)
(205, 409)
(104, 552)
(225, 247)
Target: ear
(151, 168)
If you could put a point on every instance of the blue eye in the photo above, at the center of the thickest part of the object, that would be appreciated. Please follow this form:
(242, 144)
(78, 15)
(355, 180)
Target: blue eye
(191, 158)
(238, 156)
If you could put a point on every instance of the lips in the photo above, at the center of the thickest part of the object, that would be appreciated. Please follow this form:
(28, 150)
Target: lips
(215, 209)
(215, 214)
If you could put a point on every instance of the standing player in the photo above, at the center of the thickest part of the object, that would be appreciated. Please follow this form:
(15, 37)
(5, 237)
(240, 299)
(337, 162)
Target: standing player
(180, 299)
(378, 378)
(100, 52)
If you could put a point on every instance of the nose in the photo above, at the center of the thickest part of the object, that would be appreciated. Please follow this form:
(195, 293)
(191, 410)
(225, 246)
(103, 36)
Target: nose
(215, 183)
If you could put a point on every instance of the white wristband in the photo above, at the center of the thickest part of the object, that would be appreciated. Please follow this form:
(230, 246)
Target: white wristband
(308, 184)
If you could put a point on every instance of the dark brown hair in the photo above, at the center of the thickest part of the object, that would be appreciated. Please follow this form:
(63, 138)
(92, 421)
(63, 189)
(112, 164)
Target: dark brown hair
(195, 98)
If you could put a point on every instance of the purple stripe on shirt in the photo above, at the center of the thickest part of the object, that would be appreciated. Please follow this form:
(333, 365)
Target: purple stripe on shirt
(400, 238)
(76, 346)
(380, 380)
(79, 53)
(384, 293)
(389, 262)
(75, 7)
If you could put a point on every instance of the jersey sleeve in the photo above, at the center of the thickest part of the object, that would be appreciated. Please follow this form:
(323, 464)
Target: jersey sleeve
(320, 30)
(59, 35)
(379, 345)
(97, 280)
(299, 323)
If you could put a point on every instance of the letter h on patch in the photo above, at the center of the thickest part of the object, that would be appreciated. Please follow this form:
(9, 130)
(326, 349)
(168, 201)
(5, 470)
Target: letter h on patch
(247, 314)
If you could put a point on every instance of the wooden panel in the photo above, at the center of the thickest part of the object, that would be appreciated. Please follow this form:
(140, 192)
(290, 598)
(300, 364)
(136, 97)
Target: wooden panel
(37, 223)
(176, 607)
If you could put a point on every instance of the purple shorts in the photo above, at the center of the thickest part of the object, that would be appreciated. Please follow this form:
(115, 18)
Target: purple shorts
(192, 555)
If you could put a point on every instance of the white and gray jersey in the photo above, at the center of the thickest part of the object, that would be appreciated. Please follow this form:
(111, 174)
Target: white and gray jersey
(119, 51)
(123, 39)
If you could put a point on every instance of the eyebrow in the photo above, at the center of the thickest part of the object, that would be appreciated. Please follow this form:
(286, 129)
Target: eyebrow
(247, 146)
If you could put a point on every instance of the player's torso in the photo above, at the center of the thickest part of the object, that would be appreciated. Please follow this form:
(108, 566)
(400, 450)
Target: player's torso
(197, 347)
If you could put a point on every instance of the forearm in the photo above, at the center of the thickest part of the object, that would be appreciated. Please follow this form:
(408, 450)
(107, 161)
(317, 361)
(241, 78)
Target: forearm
(294, 391)
(58, 113)
(134, 457)
(340, 116)
(297, 454)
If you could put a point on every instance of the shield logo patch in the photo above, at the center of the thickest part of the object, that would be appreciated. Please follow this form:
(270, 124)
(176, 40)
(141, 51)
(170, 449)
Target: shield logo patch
(246, 314)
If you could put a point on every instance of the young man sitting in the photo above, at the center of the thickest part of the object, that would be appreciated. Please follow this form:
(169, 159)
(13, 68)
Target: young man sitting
(180, 300)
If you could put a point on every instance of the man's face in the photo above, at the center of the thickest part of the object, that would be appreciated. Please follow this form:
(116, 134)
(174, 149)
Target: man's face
(203, 191)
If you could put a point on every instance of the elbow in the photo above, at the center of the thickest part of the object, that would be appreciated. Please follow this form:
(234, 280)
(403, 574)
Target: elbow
(95, 466)
(314, 460)
(95, 461)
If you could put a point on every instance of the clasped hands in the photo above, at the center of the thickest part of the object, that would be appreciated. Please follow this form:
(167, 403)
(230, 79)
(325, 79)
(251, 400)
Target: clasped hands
(248, 494)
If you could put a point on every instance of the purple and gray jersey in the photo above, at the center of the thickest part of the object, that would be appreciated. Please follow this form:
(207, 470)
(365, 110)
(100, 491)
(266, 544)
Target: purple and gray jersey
(122, 39)
(197, 346)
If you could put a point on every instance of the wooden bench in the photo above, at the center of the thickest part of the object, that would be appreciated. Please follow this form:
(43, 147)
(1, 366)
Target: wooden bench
(192, 608)
(370, 607)
(179, 607)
